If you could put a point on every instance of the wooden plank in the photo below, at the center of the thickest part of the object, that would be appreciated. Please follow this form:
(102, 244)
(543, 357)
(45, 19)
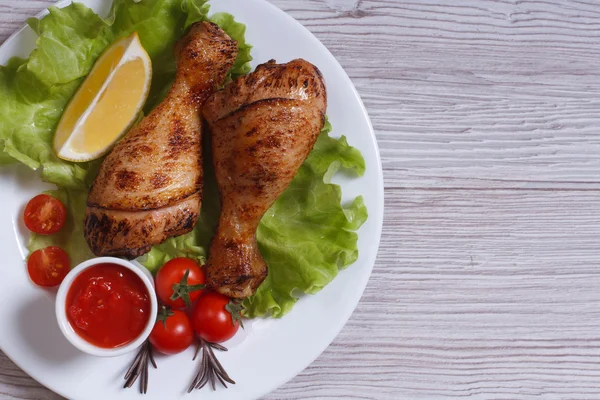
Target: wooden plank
(487, 115)
(474, 294)
(485, 93)
(489, 94)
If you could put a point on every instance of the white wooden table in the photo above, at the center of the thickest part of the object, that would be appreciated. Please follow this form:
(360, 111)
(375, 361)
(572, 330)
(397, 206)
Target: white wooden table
(487, 283)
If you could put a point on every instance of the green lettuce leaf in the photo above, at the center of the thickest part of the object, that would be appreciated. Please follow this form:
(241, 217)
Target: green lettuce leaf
(194, 244)
(306, 237)
(237, 32)
(197, 10)
(69, 41)
(29, 111)
(34, 92)
(159, 24)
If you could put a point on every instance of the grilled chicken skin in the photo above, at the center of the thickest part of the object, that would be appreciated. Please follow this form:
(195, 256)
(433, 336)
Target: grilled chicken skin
(262, 128)
(149, 187)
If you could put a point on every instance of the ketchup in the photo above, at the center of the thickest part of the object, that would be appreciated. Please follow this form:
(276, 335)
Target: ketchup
(108, 305)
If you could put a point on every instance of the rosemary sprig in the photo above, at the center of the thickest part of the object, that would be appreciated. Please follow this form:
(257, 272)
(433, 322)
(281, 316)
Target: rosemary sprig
(211, 369)
(140, 368)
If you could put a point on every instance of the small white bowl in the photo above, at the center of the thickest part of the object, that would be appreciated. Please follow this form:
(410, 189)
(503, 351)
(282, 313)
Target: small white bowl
(78, 341)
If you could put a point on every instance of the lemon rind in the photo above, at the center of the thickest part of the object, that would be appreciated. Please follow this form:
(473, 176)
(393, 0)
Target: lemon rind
(65, 152)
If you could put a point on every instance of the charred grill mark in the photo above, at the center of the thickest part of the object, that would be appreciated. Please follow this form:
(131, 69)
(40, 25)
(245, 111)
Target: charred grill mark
(137, 207)
(179, 139)
(262, 127)
(142, 130)
(104, 231)
(296, 79)
(189, 222)
(199, 93)
(271, 141)
(251, 132)
(228, 50)
(145, 230)
(149, 202)
(144, 149)
(239, 267)
(272, 102)
(132, 236)
(135, 151)
(127, 180)
(232, 245)
(182, 222)
(214, 56)
(159, 180)
(242, 279)
(169, 167)
(252, 150)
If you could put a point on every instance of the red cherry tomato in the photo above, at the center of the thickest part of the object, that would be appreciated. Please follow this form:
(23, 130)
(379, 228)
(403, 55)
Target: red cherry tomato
(45, 214)
(211, 320)
(174, 335)
(48, 266)
(174, 288)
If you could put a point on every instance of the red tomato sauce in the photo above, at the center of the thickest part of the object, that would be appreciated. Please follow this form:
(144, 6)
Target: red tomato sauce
(108, 305)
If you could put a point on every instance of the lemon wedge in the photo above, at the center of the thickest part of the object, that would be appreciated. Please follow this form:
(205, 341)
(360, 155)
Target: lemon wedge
(107, 103)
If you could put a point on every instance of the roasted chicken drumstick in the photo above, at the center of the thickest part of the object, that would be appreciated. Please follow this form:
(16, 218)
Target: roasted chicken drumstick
(149, 187)
(262, 127)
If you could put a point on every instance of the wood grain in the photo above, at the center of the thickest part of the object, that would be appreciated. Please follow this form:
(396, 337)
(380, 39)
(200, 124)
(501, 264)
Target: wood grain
(488, 119)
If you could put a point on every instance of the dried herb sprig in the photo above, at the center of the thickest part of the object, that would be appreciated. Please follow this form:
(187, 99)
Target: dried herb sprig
(140, 368)
(211, 369)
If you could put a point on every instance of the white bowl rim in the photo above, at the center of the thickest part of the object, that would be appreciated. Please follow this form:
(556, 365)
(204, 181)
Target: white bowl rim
(78, 341)
(43, 370)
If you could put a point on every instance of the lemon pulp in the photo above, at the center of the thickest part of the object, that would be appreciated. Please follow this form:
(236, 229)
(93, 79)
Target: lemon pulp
(107, 102)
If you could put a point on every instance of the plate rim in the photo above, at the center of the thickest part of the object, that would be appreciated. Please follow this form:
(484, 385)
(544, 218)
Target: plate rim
(377, 214)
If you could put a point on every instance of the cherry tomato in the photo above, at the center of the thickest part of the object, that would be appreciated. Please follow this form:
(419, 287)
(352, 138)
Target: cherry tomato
(48, 266)
(45, 214)
(179, 282)
(172, 332)
(211, 320)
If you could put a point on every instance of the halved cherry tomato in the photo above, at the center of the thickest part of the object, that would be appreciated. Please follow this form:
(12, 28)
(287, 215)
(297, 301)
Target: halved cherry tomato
(172, 332)
(179, 282)
(211, 319)
(48, 266)
(45, 214)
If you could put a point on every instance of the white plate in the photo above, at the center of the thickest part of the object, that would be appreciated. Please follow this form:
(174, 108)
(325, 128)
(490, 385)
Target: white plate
(269, 352)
